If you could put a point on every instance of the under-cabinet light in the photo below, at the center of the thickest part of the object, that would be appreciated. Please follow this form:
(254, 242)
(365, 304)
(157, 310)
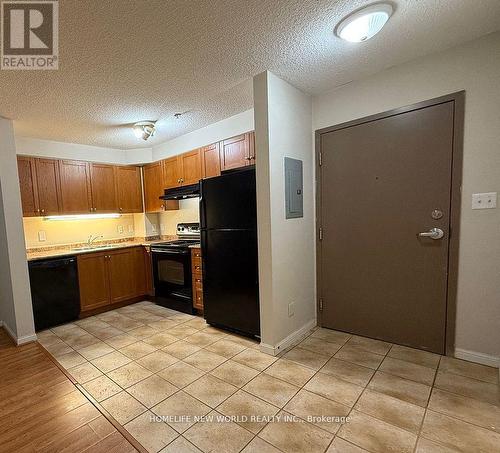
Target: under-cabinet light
(83, 217)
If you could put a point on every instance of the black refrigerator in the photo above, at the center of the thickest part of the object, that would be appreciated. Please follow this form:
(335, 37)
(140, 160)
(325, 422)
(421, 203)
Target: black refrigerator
(228, 226)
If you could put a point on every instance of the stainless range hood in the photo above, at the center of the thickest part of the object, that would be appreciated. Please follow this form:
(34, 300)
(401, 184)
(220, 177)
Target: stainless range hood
(181, 193)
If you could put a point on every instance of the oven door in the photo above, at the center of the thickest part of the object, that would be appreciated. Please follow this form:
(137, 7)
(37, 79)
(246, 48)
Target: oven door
(172, 278)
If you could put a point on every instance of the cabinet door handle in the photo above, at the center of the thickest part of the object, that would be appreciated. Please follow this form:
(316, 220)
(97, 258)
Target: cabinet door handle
(43, 211)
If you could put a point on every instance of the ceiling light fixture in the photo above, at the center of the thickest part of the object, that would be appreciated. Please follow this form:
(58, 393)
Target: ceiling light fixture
(144, 129)
(364, 23)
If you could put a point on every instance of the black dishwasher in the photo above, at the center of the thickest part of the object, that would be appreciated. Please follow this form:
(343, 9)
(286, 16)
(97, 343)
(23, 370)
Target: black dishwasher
(54, 291)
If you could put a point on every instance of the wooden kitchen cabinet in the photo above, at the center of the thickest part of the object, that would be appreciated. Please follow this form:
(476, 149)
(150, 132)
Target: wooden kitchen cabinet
(235, 152)
(103, 188)
(128, 189)
(210, 160)
(75, 189)
(154, 188)
(94, 280)
(111, 277)
(172, 172)
(196, 270)
(48, 186)
(190, 167)
(27, 183)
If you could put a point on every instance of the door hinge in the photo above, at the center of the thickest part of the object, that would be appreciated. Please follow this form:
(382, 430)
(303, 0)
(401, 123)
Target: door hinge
(320, 304)
(320, 234)
(320, 158)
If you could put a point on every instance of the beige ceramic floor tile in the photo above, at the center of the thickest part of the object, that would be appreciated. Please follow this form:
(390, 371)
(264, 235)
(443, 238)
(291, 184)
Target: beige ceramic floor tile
(210, 390)
(369, 345)
(47, 337)
(467, 409)
(181, 374)
(180, 410)
(469, 369)
(222, 437)
(181, 349)
(254, 359)
(82, 341)
(296, 436)
(70, 360)
(410, 391)
(428, 446)
(137, 350)
(307, 358)
(272, 390)
(340, 445)
(181, 331)
(458, 434)
(204, 360)
(291, 372)
(152, 390)
(408, 370)
(197, 323)
(391, 410)
(245, 405)
(157, 361)
(310, 407)
(123, 407)
(472, 388)
(58, 348)
(102, 388)
(359, 356)
(333, 388)
(161, 340)
(423, 358)
(110, 362)
(140, 333)
(120, 341)
(84, 372)
(348, 371)
(235, 373)
(95, 350)
(331, 335)
(257, 445)
(202, 339)
(129, 374)
(163, 325)
(225, 348)
(319, 345)
(180, 445)
(375, 435)
(153, 436)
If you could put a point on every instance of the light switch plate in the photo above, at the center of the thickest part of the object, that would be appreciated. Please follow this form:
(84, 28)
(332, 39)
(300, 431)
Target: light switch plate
(487, 200)
(42, 237)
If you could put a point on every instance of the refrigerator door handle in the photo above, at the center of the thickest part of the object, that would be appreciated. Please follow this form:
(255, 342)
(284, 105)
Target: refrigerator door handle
(203, 220)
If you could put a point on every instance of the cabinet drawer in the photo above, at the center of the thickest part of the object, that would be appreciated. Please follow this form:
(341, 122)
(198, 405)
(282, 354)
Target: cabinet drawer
(196, 268)
(198, 299)
(198, 282)
(195, 260)
(196, 254)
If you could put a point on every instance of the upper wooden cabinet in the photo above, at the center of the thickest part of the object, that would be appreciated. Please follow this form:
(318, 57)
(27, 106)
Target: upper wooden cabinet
(128, 189)
(172, 172)
(235, 152)
(76, 197)
(210, 160)
(191, 168)
(154, 187)
(103, 188)
(27, 183)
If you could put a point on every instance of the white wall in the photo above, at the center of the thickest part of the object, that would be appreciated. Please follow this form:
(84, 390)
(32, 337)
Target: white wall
(15, 297)
(286, 247)
(226, 128)
(189, 211)
(474, 67)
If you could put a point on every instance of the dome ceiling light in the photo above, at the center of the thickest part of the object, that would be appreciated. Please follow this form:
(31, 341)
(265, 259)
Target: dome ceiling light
(144, 129)
(364, 23)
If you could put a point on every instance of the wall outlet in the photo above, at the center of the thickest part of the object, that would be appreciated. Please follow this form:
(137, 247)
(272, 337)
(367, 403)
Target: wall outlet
(42, 237)
(486, 200)
(131, 228)
(291, 309)
(120, 229)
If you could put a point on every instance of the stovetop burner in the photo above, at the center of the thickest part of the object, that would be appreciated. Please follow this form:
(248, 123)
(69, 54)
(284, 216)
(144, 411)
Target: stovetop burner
(177, 243)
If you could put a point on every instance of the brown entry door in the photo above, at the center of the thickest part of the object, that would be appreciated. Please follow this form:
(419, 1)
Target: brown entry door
(383, 182)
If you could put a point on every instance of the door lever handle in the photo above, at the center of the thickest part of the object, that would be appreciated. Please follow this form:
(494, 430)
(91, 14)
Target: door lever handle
(433, 233)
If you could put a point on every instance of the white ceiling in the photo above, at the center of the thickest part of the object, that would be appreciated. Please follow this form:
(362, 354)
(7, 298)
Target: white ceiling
(123, 61)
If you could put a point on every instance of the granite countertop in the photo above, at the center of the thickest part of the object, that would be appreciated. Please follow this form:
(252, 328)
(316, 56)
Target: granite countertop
(79, 249)
(195, 246)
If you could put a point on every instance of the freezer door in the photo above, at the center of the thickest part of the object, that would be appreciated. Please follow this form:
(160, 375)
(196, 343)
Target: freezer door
(230, 280)
(229, 201)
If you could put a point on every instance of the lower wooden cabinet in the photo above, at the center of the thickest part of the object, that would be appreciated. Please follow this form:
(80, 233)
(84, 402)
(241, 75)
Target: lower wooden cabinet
(197, 278)
(111, 276)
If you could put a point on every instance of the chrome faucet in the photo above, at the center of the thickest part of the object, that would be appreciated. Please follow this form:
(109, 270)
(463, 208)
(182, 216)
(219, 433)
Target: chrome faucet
(92, 239)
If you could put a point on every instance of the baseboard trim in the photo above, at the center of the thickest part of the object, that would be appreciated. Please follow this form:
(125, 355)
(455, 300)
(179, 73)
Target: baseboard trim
(477, 357)
(21, 340)
(291, 340)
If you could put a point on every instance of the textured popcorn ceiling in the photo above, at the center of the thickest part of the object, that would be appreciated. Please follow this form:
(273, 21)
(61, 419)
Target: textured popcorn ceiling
(123, 61)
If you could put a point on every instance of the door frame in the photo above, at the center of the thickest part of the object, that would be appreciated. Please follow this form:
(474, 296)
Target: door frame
(458, 98)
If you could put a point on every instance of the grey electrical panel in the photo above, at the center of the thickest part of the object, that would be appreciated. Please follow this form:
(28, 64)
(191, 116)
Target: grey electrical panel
(294, 203)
